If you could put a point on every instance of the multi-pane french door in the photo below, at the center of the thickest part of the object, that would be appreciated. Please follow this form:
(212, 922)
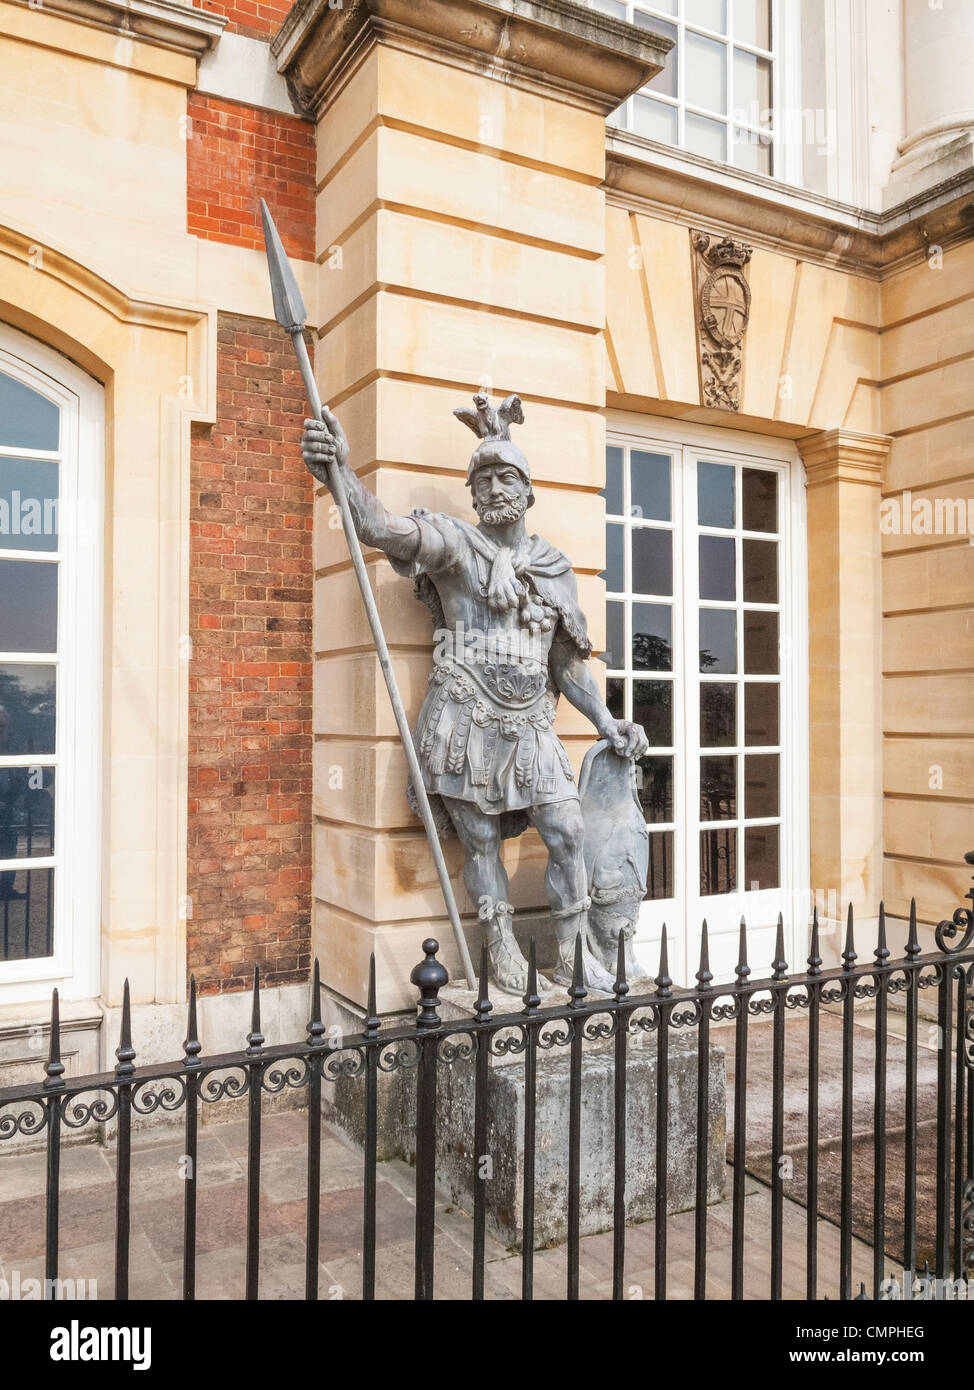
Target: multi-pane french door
(705, 649)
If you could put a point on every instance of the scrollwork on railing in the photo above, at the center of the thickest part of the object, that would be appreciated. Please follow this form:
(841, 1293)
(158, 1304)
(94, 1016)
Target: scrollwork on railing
(759, 1004)
(76, 1113)
(900, 980)
(342, 1063)
(458, 1047)
(645, 1019)
(600, 1027)
(154, 1094)
(27, 1122)
(401, 1054)
(687, 1017)
(555, 1033)
(968, 1036)
(725, 1008)
(280, 1077)
(944, 932)
(233, 1083)
(509, 1043)
(967, 1224)
(798, 998)
(932, 980)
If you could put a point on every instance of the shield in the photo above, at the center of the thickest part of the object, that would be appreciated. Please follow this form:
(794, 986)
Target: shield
(616, 844)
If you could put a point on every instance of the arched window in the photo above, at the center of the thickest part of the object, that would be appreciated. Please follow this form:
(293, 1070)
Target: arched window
(51, 473)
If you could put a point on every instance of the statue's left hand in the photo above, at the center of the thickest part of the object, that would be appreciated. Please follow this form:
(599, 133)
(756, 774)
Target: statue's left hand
(627, 739)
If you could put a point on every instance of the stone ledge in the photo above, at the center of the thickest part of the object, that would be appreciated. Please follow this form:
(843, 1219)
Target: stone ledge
(553, 47)
(163, 23)
(644, 175)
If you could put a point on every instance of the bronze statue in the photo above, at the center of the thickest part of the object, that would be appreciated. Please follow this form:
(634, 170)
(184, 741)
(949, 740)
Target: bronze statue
(510, 639)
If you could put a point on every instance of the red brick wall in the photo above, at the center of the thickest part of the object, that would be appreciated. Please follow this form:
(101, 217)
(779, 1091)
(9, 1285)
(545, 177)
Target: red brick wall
(237, 155)
(261, 19)
(251, 563)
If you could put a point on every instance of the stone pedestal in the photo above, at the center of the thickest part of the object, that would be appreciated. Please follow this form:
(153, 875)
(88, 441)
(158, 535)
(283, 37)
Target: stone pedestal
(503, 1161)
(505, 1134)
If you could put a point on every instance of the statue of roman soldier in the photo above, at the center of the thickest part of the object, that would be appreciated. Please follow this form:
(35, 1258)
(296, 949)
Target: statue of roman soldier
(511, 640)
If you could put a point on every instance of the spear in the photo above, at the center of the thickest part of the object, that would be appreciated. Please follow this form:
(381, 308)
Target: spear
(291, 314)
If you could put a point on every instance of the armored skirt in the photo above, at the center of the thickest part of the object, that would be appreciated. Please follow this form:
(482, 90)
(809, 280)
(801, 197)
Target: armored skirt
(485, 736)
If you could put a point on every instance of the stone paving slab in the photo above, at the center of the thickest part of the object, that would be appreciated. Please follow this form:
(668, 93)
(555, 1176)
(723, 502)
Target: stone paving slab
(88, 1225)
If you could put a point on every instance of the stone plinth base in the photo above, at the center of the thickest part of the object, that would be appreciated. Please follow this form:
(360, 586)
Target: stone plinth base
(503, 1161)
(505, 1136)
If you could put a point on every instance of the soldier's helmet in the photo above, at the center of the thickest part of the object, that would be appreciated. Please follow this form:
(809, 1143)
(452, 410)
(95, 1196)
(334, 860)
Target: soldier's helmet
(492, 426)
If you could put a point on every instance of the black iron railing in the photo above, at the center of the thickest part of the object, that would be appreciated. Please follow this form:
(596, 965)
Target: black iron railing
(626, 1021)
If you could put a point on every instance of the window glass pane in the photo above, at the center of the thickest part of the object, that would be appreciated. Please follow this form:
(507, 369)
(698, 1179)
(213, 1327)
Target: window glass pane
(761, 785)
(753, 151)
(28, 606)
(615, 8)
(615, 698)
(26, 812)
(709, 14)
(759, 491)
(655, 120)
(718, 640)
(27, 695)
(612, 492)
(615, 639)
(718, 861)
(761, 714)
(26, 913)
(718, 567)
(752, 88)
(652, 637)
(613, 572)
(718, 788)
(654, 785)
(760, 566)
(27, 419)
(665, 81)
(705, 137)
(761, 857)
(752, 22)
(718, 714)
(761, 643)
(659, 879)
(649, 484)
(28, 504)
(652, 561)
(715, 494)
(662, 6)
(652, 707)
(705, 75)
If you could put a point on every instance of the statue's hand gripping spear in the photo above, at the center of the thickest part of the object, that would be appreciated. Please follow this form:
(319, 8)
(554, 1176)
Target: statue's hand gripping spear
(291, 314)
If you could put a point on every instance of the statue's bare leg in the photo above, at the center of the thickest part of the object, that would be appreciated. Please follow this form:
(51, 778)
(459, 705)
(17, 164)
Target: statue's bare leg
(561, 827)
(486, 882)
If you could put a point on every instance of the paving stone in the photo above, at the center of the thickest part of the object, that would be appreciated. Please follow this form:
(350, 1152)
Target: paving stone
(95, 1265)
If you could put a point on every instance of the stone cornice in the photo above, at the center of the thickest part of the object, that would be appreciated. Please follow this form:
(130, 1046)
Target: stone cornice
(548, 46)
(844, 456)
(646, 176)
(162, 23)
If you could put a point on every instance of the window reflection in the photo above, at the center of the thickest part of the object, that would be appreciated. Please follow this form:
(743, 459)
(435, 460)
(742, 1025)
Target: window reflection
(28, 606)
(27, 713)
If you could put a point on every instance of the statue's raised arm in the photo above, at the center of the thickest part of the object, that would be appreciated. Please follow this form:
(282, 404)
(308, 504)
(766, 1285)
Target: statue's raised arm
(324, 442)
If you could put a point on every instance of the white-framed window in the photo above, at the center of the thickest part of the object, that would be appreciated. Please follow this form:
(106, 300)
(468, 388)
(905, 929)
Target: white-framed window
(719, 92)
(706, 609)
(51, 487)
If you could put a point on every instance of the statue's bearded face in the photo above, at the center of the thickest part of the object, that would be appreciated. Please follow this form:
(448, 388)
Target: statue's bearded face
(500, 494)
